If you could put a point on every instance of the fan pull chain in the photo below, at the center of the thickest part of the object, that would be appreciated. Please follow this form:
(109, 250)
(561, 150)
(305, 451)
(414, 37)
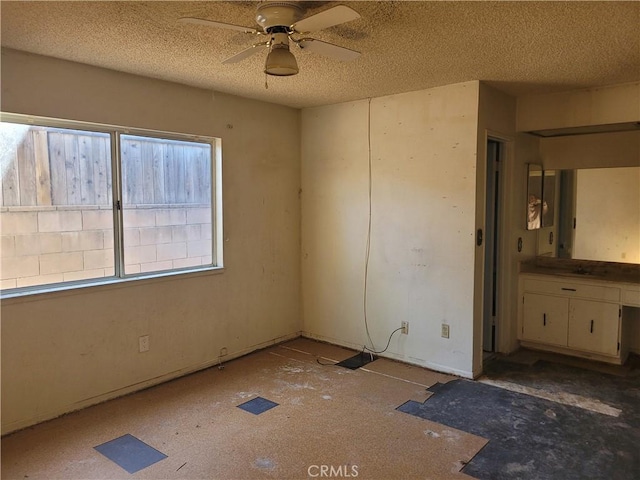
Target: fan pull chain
(266, 83)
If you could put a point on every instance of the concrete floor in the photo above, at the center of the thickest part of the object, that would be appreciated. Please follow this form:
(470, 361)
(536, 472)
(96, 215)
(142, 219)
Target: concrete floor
(327, 417)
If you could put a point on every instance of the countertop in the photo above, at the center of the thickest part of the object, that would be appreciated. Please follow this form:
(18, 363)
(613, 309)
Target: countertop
(583, 270)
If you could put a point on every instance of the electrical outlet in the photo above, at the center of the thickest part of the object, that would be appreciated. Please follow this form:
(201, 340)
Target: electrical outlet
(405, 328)
(445, 331)
(143, 343)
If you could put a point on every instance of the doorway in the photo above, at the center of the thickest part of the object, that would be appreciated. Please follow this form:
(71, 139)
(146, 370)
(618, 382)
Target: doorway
(495, 152)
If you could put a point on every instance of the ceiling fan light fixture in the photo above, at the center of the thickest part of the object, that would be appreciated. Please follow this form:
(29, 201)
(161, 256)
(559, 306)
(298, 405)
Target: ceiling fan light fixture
(281, 62)
(282, 21)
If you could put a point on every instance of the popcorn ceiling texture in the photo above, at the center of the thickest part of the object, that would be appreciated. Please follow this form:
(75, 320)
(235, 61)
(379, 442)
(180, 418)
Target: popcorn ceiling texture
(518, 47)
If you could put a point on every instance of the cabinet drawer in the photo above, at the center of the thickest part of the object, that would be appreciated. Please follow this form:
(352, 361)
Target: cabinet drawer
(594, 292)
(631, 297)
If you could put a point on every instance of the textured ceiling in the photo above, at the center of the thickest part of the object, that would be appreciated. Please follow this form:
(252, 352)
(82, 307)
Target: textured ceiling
(519, 47)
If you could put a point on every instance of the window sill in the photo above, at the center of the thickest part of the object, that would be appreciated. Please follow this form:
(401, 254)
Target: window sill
(50, 291)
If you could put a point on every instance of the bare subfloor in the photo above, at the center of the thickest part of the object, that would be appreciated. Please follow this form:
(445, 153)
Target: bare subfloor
(329, 419)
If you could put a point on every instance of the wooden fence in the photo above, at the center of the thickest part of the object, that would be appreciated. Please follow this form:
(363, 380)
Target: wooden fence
(63, 167)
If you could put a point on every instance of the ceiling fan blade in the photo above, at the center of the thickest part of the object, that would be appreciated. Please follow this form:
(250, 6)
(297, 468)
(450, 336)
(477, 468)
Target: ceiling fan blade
(326, 19)
(328, 49)
(253, 49)
(211, 23)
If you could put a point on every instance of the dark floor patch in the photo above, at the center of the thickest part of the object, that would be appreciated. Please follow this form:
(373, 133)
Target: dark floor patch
(257, 405)
(357, 361)
(533, 438)
(130, 453)
(617, 390)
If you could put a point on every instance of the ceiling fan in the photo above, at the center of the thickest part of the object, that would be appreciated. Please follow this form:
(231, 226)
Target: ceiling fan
(282, 23)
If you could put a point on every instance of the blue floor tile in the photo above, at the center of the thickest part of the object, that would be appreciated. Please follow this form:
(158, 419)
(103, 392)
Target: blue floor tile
(130, 453)
(258, 405)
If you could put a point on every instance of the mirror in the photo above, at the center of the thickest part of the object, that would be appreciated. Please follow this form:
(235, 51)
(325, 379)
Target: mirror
(599, 214)
(548, 197)
(541, 193)
(534, 196)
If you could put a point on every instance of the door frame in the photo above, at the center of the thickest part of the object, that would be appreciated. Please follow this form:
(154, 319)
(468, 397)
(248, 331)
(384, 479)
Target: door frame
(505, 290)
(491, 264)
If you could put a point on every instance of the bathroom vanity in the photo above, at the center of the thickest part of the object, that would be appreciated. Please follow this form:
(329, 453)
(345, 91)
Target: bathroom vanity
(581, 295)
(584, 309)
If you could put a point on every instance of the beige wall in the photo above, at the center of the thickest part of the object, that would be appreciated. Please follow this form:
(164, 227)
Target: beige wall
(62, 351)
(619, 149)
(421, 268)
(578, 108)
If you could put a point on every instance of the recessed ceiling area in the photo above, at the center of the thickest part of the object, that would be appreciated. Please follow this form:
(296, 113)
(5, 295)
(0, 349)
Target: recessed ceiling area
(518, 47)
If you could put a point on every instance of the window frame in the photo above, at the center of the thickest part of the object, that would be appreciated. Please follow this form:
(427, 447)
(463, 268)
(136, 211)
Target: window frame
(115, 132)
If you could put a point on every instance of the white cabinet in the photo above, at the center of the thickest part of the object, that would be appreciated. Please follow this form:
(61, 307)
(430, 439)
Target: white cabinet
(545, 319)
(594, 326)
(577, 318)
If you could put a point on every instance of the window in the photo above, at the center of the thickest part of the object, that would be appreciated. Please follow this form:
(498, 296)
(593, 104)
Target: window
(82, 204)
(166, 198)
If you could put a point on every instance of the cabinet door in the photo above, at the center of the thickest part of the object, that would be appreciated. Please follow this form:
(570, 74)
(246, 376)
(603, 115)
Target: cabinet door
(545, 319)
(593, 326)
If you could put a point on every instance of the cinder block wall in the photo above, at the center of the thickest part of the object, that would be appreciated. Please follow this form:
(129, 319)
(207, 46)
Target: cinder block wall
(43, 245)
